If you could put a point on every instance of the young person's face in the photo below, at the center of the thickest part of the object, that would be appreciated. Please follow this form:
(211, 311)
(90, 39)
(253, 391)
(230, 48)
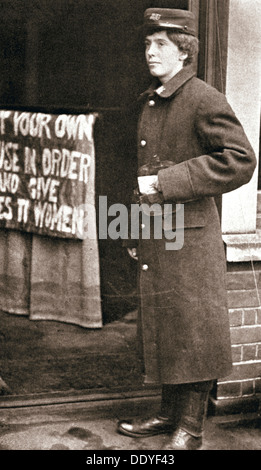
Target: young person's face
(163, 57)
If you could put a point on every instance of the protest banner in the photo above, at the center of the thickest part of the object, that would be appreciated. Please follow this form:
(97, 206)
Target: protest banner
(46, 171)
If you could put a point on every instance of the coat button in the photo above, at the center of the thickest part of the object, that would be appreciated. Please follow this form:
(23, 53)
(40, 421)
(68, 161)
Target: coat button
(143, 143)
(145, 267)
(152, 103)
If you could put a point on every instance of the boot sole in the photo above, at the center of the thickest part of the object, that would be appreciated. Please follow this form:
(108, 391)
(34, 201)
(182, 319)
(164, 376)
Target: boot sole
(137, 435)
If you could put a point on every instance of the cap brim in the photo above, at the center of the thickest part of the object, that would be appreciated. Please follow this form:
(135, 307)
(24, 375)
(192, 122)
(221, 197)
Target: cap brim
(152, 27)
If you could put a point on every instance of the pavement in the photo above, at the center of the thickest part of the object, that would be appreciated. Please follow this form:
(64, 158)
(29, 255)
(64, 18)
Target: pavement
(88, 423)
(86, 420)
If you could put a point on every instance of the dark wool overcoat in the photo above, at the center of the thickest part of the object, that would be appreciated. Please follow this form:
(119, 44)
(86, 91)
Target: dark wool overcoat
(183, 316)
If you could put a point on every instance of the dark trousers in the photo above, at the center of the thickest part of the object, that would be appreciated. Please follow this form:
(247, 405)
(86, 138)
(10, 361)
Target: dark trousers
(186, 405)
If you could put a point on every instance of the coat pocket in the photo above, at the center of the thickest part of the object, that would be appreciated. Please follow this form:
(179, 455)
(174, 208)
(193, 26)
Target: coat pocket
(184, 217)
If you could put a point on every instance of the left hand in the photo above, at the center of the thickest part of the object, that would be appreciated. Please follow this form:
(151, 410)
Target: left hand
(133, 253)
(150, 199)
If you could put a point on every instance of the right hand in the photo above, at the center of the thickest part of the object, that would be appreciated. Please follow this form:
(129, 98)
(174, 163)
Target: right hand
(133, 253)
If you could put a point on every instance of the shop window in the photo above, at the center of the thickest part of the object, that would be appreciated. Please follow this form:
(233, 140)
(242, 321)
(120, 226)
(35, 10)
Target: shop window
(12, 60)
(84, 53)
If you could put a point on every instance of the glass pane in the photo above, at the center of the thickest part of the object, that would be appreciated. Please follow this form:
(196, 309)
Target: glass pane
(95, 55)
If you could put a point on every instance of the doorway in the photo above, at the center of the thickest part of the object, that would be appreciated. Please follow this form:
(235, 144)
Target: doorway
(84, 55)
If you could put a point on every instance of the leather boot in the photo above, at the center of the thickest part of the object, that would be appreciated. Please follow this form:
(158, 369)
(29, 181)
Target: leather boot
(145, 427)
(182, 440)
(188, 435)
(161, 424)
(170, 403)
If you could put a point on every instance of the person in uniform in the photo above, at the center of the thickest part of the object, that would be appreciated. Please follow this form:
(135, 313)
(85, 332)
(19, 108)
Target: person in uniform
(193, 148)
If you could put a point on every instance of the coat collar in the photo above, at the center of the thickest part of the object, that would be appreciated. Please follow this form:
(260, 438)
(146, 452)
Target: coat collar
(167, 90)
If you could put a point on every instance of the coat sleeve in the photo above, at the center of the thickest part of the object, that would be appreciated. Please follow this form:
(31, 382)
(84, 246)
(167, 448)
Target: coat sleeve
(228, 161)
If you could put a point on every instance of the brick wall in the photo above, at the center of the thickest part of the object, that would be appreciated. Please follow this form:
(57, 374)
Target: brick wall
(244, 294)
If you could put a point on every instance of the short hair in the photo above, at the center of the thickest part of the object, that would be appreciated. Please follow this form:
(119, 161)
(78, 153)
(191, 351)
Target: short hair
(185, 42)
